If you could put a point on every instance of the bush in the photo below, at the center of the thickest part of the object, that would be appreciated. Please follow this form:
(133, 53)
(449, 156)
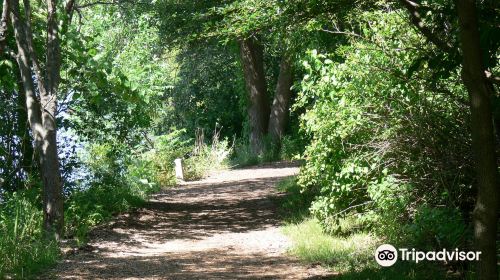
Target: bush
(292, 147)
(97, 204)
(295, 203)
(386, 149)
(438, 228)
(116, 181)
(350, 253)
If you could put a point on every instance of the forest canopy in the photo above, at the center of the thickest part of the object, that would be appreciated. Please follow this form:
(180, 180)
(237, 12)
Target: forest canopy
(391, 108)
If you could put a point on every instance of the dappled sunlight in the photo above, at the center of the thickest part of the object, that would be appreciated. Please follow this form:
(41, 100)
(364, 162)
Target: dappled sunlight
(223, 227)
(210, 264)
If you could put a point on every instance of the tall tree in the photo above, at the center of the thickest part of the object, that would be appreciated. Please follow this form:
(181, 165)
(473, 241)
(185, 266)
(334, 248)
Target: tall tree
(483, 143)
(480, 89)
(252, 58)
(253, 24)
(281, 103)
(42, 113)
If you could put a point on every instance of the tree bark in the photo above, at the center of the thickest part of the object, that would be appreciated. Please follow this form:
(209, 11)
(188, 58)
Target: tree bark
(258, 110)
(28, 160)
(281, 103)
(4, 23)
(485, 213)
(53, 195)
(42, 122)
(32, 104)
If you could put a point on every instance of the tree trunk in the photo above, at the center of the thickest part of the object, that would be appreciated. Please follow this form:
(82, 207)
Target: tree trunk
(258, 110)
(42, 123)
(486, 209)
(53, 194)
(280, 108)
(27, 160)
(4, 23)
(32, 104)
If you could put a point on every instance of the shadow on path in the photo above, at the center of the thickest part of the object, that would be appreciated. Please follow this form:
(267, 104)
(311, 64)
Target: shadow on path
(223, 227)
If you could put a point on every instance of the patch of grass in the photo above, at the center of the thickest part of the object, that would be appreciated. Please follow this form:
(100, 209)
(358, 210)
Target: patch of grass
(349, 252)
(23, 249)
(292, 147)
(206, 158)
(294, 205)
(88, 208)
(342, 254)
(243, 155)
(352, 256)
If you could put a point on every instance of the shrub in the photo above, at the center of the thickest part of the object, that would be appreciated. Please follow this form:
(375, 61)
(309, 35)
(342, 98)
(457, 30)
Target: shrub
(166, 149)
(349, 253)
(115, 182)
(292, 147)
(88, 208)
(385, 146)
(438, 228)
(296, 201)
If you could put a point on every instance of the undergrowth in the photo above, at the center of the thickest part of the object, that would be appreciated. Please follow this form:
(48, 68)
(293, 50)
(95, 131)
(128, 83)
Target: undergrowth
(115, 181)
(290, 147)
(205, 158)
(349, 252)
(23, 249)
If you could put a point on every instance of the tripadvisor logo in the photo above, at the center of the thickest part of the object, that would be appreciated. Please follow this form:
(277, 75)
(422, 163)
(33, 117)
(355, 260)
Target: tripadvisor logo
(387, 255)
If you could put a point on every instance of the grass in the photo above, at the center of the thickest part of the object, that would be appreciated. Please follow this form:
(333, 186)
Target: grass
(23, 250)
(342, 254)
(207, 158)
(243, 154)
(294, 206)
(351, 254)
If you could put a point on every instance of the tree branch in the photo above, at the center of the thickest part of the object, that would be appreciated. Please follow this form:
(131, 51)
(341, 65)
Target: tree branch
(69, 8)
(70, 5)
(417, 21)
(352, 207)
(342, 32)
(148, 140)
(31, 49)
(97, 3)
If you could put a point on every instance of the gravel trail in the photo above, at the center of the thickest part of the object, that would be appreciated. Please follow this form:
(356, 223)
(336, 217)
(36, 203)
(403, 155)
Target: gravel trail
(223, 227)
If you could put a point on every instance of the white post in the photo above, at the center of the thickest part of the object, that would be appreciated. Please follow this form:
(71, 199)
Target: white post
(178, 169)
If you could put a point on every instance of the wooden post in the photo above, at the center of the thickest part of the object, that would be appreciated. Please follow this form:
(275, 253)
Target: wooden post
(178, 169)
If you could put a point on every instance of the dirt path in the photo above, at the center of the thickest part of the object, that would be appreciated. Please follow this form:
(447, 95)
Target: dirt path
(223, 227)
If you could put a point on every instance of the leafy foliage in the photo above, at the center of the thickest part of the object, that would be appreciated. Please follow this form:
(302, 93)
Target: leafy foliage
(384, 124)
(376, 144)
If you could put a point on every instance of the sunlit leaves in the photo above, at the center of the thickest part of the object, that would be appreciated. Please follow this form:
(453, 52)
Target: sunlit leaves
(376, 124)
